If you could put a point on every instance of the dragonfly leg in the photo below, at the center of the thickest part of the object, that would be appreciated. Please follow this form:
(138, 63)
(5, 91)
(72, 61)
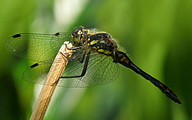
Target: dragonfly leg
(83, 72)
(65, 56)
(81, 60)
(73, 48)
(84, 68)
(75, 56)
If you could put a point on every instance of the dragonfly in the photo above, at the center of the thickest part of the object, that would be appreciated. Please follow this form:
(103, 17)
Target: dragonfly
(95, 58)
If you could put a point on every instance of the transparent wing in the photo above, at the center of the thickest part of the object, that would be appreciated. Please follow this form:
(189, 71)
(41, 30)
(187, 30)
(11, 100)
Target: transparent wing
(37, 47)
(101, 70)
(37, 73)
(43, 49)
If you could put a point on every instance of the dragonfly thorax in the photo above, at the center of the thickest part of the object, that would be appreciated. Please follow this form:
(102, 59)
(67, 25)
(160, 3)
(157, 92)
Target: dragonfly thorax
(102, 43)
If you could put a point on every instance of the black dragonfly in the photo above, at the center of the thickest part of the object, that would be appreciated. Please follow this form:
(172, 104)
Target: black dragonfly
(94, 59)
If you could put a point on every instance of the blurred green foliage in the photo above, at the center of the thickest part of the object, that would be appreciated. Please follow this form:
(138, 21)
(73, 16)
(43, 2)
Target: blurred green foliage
(157, 35)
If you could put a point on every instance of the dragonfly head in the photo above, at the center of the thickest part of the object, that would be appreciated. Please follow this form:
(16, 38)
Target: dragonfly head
(78, 35)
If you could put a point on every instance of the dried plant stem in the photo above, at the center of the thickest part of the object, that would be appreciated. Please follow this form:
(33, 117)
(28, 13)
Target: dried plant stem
(51, 81)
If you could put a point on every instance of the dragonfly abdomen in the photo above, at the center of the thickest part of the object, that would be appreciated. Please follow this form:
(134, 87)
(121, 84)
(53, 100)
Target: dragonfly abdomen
(123, 59)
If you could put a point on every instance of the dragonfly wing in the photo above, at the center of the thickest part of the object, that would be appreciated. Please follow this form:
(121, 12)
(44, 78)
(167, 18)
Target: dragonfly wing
(101, 70)
(37, 47)
(37, 73)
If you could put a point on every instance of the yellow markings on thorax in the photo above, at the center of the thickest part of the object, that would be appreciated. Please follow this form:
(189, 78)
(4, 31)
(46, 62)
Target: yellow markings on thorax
(71, 36)
(101, 50)
(94, 42)
(102, 41)
(107, 52)
(81, 39)
(104, 51)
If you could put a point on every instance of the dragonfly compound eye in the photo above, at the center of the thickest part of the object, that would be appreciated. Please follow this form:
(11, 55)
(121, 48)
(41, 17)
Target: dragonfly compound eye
(78, 34)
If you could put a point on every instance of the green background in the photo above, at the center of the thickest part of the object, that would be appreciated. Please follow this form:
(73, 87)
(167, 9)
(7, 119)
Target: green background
(157, 35)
